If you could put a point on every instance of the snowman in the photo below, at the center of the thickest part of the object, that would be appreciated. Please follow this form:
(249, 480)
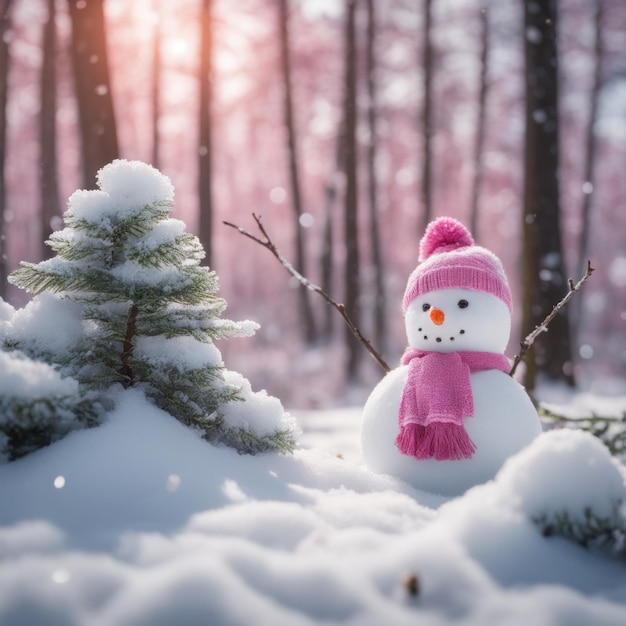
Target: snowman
(450, 415)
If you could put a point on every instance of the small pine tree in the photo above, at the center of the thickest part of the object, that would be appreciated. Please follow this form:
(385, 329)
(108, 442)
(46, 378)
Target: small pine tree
(150, 312)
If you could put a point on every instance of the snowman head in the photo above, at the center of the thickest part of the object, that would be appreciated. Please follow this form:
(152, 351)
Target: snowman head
(458, 297)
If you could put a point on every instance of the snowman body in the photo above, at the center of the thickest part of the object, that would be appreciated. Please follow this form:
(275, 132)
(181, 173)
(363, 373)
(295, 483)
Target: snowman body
(504, 419)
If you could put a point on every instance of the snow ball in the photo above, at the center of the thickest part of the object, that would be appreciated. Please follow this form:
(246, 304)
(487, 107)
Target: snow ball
(134, 183)
(59, 482)
(172, 483)
(306, 220)
(563, 471)
(259, 412)
(533, 35)
(278, 195)
(60, 576)
(617, 271)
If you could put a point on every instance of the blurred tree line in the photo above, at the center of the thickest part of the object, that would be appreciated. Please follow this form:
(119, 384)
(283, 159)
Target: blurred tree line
(353, 123)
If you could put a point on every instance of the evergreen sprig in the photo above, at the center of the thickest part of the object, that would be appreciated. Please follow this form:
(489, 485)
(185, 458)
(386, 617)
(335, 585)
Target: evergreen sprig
(607, 534)
(247, 442)
(610, 430)
(28, 424)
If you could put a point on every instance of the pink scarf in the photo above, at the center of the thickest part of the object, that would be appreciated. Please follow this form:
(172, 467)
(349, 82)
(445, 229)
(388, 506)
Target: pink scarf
(436, 397)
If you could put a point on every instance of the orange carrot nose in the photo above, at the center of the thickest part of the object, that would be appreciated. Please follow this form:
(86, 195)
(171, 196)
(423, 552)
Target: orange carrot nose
(437, 316)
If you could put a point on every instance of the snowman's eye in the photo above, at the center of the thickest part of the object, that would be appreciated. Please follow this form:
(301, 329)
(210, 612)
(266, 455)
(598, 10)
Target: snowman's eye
(425, 306)
(463, 304)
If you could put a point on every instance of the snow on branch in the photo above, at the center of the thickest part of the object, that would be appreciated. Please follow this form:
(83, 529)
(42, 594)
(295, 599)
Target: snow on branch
(543, 327)
(305, 282)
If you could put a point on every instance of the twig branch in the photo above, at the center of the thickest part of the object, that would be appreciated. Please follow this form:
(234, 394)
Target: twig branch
(305, 282)
(543, 327)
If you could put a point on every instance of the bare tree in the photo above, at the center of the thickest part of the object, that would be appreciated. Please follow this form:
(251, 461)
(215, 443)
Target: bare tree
(48, 170)
(543, 266)
(331, 189)
(427, 114)
(380, 322)
(5, 29)
(328, 244)
(306, 311)
(479, 146)
(205, 147)
(93, 87)
(590, 149)
(352, 263)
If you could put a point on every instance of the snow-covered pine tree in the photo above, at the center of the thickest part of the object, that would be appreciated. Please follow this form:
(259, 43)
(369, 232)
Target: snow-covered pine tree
(150, 312)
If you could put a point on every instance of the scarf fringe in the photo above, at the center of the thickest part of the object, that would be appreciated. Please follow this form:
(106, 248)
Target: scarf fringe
(441, 441)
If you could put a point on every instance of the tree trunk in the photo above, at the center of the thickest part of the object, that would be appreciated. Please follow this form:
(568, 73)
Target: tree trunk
(479, 147)
(205, 148)
(380, 322)
(590, 158)
(5, 29)
(352, 264)
(543, 273)
(93, 87)
(306, 311)
(156, 84)
(328, 252)
(48, 172)
(427, 116)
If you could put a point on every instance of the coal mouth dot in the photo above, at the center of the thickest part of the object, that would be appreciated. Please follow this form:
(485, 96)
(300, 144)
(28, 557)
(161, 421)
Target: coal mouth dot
(438, 340)
(461, 332)
(425, 336)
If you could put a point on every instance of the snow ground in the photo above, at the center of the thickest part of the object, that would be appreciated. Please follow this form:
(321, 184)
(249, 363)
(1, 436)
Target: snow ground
(139, 522)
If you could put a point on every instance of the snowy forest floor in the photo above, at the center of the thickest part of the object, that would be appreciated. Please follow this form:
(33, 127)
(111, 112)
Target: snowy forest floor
(139, 522)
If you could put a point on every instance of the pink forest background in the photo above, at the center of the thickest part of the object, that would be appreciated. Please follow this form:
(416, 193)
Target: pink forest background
(250, 158)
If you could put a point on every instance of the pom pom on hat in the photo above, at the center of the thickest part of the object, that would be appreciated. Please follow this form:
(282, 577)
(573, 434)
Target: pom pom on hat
(450, 259)
(442, 235)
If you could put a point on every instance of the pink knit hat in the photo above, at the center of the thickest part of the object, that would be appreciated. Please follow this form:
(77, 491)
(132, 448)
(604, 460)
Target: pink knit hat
(448, 258)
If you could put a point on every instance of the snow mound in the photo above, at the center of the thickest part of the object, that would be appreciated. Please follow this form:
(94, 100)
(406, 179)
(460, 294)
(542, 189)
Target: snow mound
(564, 471)
(257, 411)
(139, 523)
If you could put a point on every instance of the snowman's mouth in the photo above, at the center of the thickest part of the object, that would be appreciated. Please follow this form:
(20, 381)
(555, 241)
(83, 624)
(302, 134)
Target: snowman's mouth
(439, 339)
